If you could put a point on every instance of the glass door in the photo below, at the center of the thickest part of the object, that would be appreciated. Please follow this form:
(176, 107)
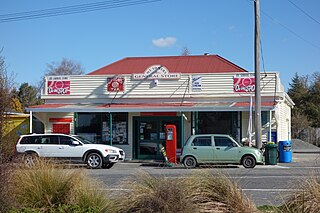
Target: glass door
(149, 134)
(148, 146)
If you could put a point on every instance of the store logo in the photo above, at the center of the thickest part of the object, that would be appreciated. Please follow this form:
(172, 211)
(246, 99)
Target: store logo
(115, 84)
(58, 85)
(156, 72)
(243, 84)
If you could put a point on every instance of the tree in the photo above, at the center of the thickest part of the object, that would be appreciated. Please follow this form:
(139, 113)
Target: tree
(6, 84)
(185, 51)
(298, 90)
(313, 103)
(64, 67)
(27, 95)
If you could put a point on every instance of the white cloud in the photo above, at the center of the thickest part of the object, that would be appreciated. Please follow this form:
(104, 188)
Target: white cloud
(231, 28)
(164, 42)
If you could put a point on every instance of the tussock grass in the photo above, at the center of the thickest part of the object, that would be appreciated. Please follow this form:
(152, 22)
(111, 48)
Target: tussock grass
(199, 192)
(306, 200)
(150, 194)
(48, 188)
(217, 193)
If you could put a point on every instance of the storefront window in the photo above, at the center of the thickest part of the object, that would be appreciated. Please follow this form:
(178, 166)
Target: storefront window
(96, 127)
(218, 123)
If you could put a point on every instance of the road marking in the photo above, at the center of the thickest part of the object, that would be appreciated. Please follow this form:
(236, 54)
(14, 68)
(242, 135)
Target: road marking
(260, 190)
(273, 190)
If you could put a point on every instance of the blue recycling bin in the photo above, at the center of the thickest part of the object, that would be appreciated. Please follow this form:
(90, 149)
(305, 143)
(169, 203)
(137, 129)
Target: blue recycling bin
(285, 151)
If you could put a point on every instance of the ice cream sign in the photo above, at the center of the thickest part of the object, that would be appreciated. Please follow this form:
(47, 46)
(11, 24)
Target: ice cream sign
(156, 72)
(243, 83)
(58, 85)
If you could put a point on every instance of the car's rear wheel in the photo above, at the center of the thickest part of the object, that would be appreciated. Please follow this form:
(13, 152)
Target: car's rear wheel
(29, 159)
(248, 161)
(107, 165)
(189, 162)
(94, 161)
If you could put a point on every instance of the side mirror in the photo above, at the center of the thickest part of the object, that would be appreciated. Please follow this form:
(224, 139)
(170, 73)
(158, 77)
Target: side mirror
(75, 143)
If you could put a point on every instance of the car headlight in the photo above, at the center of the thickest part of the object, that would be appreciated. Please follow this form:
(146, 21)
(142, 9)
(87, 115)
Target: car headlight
(110, 151)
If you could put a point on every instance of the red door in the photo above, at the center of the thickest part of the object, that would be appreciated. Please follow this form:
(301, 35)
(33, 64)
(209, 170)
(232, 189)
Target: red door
(61, 128)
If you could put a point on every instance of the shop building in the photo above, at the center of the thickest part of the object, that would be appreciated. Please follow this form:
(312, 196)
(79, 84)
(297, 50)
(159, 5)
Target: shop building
(129, 102)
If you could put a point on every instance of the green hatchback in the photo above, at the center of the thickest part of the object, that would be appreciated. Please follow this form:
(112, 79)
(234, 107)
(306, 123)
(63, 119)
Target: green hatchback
(218, 149)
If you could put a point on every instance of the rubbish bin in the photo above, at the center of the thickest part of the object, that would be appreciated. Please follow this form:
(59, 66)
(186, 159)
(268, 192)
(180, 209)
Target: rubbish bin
(285, 151)
(271, 152)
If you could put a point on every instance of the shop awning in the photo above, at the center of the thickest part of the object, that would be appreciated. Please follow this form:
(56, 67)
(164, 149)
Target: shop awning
(149, 107)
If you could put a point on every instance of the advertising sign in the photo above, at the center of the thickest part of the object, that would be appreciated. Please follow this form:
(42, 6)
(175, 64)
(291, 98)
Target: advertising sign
(58, 85)
(196, 83)
(243, 84)
(115, 84)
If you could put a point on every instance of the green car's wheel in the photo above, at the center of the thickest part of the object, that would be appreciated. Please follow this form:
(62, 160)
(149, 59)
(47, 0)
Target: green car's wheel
(189, 162)
(248, 161)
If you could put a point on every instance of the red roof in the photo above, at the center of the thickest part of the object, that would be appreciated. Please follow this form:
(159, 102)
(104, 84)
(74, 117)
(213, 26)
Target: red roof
(175, 64)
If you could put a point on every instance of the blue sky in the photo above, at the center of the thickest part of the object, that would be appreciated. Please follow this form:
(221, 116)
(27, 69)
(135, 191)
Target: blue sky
(290, 39)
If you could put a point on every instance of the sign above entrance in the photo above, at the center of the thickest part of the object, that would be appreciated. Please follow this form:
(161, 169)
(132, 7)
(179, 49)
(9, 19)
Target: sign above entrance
(243, 83)
(156, 72)
(58, 85)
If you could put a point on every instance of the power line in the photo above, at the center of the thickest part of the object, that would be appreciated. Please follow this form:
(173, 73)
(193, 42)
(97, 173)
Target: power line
(291, 31)
(287, 28)
(81, 8)
(304, 12)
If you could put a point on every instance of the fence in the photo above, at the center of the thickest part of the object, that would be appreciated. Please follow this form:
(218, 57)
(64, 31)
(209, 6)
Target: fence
(310, 135)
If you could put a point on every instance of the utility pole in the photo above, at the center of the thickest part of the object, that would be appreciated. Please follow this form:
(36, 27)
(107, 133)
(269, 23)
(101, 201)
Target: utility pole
(257, 73)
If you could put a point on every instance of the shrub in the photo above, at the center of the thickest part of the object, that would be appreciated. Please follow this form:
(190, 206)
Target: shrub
(306, 200)
(150, 194)
(47, 188)
(216, 191)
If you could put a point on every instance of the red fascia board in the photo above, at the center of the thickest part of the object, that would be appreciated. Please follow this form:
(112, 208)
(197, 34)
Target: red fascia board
(247, 104)
(145, 105)
(48, 106)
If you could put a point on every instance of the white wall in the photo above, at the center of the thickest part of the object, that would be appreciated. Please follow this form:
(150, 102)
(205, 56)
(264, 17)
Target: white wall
(87, 87)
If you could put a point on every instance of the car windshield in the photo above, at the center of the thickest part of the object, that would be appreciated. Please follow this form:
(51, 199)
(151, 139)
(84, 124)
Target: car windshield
(240, 144)
(83, 140)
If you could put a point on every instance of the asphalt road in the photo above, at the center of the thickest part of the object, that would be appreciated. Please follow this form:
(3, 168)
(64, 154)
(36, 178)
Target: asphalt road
(265, 184)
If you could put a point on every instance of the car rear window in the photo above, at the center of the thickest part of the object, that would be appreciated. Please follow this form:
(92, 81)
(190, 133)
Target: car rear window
(31, 140)
(202, 141)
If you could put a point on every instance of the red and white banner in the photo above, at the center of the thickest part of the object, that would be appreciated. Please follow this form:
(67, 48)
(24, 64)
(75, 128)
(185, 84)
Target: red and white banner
(58, 85)
(115, 84)
(244, 84)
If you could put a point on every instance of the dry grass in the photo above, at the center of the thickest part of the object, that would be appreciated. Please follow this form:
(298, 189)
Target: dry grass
(45, 186)
(306, 200)
(217, 193)
(200, 192)
(150, 194)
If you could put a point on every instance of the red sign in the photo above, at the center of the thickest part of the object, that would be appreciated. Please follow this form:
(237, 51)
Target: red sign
(244, 84)
(115, 84)
(58, 87)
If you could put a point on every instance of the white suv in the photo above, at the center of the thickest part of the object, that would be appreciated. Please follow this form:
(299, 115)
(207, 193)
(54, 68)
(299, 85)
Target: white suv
(69, 147)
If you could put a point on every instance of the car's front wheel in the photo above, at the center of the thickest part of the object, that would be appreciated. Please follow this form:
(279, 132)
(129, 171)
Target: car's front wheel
(107, 165)
(248, 161)
(189, 162)
(94, 161)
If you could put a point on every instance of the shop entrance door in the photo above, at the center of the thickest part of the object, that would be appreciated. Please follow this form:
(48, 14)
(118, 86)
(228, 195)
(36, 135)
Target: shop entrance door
(149, 135)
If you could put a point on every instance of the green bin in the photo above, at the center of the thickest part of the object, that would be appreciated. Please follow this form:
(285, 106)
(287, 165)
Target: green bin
(271, 154)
